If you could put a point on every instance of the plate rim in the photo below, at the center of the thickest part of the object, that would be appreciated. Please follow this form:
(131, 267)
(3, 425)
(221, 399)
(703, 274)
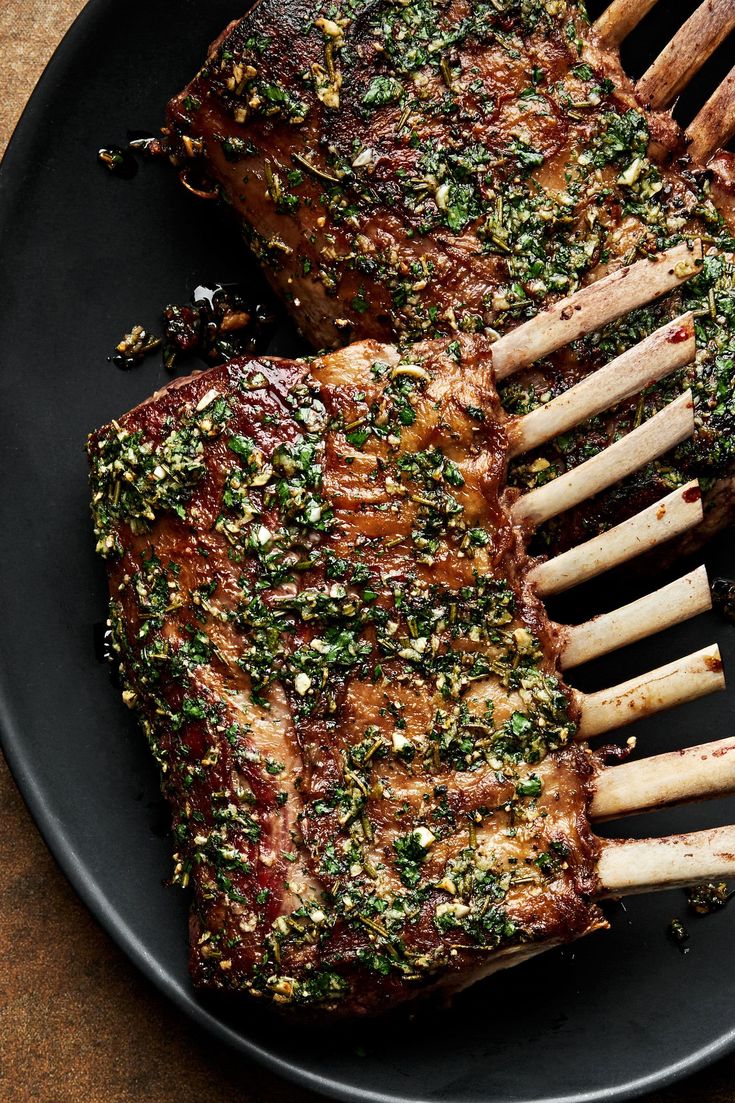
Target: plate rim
(53, 832)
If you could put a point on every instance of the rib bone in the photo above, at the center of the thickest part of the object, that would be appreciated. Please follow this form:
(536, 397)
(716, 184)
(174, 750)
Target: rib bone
(672, 604)
(660, 433)
(678, 511)
(669, 348)
(594, 306)
(620, 18)
(629, 866)
(715, 123)
(683, 680)
(687, 52)
(696, 773)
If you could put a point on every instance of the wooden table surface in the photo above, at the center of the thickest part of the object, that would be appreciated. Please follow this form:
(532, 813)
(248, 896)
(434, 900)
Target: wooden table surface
(78, 1024)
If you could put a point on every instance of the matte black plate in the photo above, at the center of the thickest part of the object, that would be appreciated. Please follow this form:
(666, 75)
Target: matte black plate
(87, 255)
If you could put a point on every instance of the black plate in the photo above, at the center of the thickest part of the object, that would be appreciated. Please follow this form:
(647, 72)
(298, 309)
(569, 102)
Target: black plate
(85, 256)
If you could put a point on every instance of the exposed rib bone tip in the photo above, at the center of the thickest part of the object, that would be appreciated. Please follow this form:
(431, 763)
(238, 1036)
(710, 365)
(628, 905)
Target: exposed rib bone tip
(669, 348)
(594, 305)
(678, 511)
(683, 680)
(715, 123)
(679, 61)
(672, 604)
(620, 18)
(664, 431)
(644, 865)
(695, 773)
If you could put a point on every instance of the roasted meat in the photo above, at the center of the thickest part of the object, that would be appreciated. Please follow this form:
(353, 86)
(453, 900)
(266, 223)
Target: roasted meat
(437, 166)
(321, 616)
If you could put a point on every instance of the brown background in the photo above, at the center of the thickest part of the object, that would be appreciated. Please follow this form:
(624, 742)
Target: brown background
(77, 1022)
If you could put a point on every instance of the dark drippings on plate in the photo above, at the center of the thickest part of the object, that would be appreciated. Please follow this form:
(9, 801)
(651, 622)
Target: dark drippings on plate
(218, 324)
(122, 161)
(723, 597)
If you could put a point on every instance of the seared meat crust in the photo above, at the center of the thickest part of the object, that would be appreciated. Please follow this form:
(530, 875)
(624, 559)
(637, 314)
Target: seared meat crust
(319, 609)
(438, 166)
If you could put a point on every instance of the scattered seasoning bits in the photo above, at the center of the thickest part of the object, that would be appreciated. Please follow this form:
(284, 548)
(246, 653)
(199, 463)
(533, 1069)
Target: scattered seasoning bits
(123, 161)
(679, 935)
(217, 325)
(530, 786)
(424, 837)
(118, 162)
(133, 348)
(709, 897)
(302, 684)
